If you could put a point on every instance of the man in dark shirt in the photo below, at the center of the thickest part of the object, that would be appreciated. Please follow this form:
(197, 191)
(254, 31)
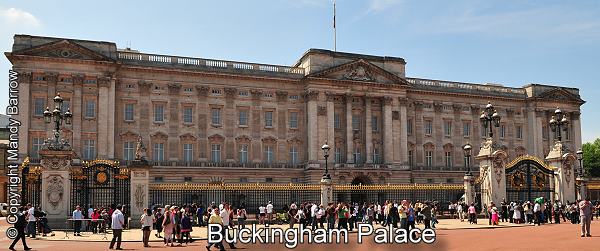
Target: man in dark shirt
(20, 226)
(426, 211)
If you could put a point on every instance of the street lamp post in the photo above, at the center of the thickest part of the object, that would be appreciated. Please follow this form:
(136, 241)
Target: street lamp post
(467, 149)
(58, 117)
(490, 118)
(326, 149)
(559, 121)
(580, 158)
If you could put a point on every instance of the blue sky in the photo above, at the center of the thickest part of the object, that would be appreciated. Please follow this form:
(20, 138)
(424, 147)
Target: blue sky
(508, 42)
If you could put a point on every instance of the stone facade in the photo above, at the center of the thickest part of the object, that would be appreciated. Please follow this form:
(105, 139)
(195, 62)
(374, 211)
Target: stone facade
(207, 120)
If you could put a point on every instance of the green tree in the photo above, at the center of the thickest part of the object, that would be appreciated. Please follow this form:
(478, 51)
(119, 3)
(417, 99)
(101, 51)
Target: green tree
(591, 158)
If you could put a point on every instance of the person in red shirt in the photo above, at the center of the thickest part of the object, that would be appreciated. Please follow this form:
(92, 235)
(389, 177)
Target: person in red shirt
(95, 217)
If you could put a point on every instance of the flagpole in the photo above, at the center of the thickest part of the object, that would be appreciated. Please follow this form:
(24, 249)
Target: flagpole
(334, 30)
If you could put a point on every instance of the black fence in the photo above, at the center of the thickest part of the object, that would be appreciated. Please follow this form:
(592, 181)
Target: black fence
(253, 195)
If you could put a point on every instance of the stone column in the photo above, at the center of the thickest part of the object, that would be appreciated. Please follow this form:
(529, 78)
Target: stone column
(469, 190)
(349, 131)
(387, 130)
(56, 186)
(139, 189)
(111, 119)
(576, 129)
(368, 131)
(102, 117)
(403, 132)
(491, 168)
(77, 110)
(24, 116)
(330, 121)
(326, 191)
(564, 178)
(312, 132)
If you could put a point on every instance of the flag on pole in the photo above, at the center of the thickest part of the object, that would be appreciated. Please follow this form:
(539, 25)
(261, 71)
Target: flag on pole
(334, 14)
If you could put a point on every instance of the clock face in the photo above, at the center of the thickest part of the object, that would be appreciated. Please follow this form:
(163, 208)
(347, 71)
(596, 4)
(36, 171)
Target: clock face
(101, 177)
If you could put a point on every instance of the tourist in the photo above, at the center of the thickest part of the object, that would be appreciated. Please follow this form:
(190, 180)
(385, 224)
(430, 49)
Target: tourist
(262, 213)
(321, 215)
(292, 214)
(434, 217)
(472, 214)
(95, 217)
(270, 212)
(77, 217)
(301, 217)
(504, 211)
(168, 225)
(20, 225)
(241, 217)
(215, 218)
(516, 215)
(370, 213)
(556, 211)
(159, 218)
(585, 214)
(451, 208)
(226, 216)
(200, 215)
(44, 227)
(528, 212)
(314, 208)
(459, 211)
(105, 221)
(147, 220)
(90, 225)
(410, 217)
(597, 209)
(494, 214)
(186, 228)
(426, 212)
(511, 211)
(342, 216)
(118, 220)
(331, 216)
(537, 212)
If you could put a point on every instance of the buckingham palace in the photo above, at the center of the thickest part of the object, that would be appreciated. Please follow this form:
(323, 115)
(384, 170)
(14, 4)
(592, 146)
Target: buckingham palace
(211, 120)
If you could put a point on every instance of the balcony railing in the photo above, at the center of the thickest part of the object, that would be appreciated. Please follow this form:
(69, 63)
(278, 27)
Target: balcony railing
(469, 87)
(206, 63)
(218, 164)
(474, 169)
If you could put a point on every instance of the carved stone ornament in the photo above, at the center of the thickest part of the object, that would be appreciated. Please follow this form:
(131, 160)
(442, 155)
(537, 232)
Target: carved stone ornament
(322, 110)
(55, 191)
(55, 163)
(202, 90)
(567, 166)
(359, 73)
(499, 168)
(140, 195)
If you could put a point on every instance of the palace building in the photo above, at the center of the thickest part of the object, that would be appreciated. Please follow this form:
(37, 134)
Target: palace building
(209, 120)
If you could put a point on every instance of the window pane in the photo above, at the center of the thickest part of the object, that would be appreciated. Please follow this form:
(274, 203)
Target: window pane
(159, 113)
(293, 120)
(39, 107)
(216, 116)
(337, 124)
(128, 112)
(188, 152)
(243, 118)
(269, 119)
(355, 122)
(187, 115)
(90, 109)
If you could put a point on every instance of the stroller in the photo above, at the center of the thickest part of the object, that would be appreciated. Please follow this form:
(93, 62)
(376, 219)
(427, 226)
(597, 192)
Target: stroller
(281, 218)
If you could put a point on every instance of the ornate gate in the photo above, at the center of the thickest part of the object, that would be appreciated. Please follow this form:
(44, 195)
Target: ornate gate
(100, 183)
(527, 178)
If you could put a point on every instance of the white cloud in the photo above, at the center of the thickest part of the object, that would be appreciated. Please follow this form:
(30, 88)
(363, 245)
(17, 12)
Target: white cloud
(14, 16)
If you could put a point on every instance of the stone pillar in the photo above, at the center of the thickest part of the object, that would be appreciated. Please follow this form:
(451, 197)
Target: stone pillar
(330, 121)
(368, 131)
(102, 117)
(140, 191)
(469, 190)
(564, 178)
(24, 116)
(387, 130)
(56, 186)
(77, 105)
(403, 132)
(326, 191)
(491, 169)
(312, 132)
(349, 131)
(110, 136)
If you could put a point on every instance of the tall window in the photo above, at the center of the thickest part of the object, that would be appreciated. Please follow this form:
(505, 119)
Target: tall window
(128, 112)
(89, 149)
(355, 122)
(293, 155)
(38, 106)
(188, 114)
(215, 154)
(244, 153)
(338, 155)
(128, 150)
(188, 152)
(374, 123)
(428, 127)
(66, 105)
(243, 118)
(466, 129)
(519, 132)
(158, 152)
(447, 128)
(337, 123)
(357, 155)
(376, 156)
(215, 116)
(429, 158)
(411, 158)
(159, 113)
(294, 120)
(448, 158)
(409, 127)
(90, 109)
(269, 119)
(269, 156)
(36, 146)
(502, 131)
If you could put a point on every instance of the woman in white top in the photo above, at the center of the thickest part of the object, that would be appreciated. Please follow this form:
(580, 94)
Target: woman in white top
(241, 216)
(262, 212)
(147, 222)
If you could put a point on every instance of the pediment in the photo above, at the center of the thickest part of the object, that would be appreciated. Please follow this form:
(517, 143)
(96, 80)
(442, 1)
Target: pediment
(63, 49)
(361, 71)
(560, 94)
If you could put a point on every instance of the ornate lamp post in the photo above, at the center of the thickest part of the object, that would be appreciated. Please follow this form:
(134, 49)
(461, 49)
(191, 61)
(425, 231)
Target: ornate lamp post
(57, 144)
(559, 121)
(489, 117)
(326, 149)
(580, 158)
(467, 149)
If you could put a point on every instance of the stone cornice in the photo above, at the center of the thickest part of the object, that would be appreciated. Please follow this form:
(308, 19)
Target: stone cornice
(282, 96)
(202, 90)
(230, 92)
(174, 88)
(311, 95)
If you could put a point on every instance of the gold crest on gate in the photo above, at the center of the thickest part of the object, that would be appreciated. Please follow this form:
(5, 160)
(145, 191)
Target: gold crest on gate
(101, 177)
